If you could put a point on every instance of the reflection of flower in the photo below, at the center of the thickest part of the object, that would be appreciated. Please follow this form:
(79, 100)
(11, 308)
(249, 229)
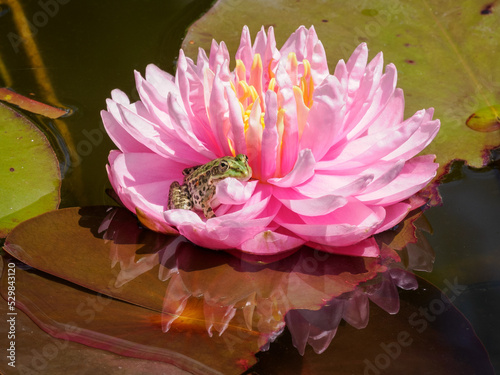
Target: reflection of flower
(258, 296)
(318, 327)
(333, 161)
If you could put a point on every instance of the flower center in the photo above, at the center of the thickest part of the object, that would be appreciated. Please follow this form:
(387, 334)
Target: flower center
(248, 91)
(250, 88)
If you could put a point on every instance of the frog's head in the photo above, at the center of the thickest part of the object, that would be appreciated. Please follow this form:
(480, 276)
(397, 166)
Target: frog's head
(236, 167)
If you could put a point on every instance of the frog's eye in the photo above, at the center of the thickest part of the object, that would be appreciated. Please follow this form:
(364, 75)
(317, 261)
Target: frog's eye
(223, 165)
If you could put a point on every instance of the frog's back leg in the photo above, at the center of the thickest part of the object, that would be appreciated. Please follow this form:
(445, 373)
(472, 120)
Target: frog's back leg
(179, 197)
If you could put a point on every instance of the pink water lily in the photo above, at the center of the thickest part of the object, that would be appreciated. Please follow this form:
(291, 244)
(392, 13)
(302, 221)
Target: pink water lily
(334, 162)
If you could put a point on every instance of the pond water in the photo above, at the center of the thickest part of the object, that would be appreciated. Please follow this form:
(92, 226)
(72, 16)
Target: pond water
(88, 48)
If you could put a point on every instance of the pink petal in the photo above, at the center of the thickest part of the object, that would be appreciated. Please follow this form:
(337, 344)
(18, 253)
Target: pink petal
(416, 173)
(162, 81)
(184, 130)
(245, 51)
(319, 64)
(325, 118)
(301, 172)
(271, 242)
(120, 137)
(322, 184)
(356, 67)
(260, 44)
(295, 43)
(361, 117)
(254, 139)
(342, 76)
(148, 133)
(418, 141)
(143, 180)
(192, 92)
(270, 57)
(394, 214)
(391, 115)
(345, 226)
(383, 174)
(370, 148)
(237, 131)
(232, 191)
(219, 119)
(218, 54)
(270, 137)
(302, 205)
(225, 232)
(257, 206)
(290, 139)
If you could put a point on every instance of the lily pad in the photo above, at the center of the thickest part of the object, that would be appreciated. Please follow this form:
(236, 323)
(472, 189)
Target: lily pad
(75, 314)
(160, 297)
(29, 171)
(85, 246)
(31, 105)
(36, 351)
(446, 54)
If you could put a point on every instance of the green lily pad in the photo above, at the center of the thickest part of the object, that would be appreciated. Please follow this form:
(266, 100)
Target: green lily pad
(446, 54)
(29, 171)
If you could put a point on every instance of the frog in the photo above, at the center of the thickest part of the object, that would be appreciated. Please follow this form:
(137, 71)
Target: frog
(198, 189)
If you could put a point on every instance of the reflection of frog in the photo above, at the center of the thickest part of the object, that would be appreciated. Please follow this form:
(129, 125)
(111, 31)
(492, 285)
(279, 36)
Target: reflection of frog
(198, 189)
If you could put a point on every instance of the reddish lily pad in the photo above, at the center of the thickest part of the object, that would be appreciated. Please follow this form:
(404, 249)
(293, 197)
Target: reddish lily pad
(29, 171)
(70, 313)
(164, 283)
(31, 105)
(85, 245)
(36, 352)
(446, 54)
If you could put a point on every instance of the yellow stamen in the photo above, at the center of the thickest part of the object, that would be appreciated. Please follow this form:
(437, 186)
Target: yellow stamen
(240, 70)
(307, 84)
(256, 75)
(272, 84)
(270, 70)
(231, 146)
(253, 93)
(245, 89)
(292, 65)
(302, 109)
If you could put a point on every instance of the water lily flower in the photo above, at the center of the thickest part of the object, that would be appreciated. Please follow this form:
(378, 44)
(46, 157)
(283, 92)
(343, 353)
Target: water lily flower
(333, 159)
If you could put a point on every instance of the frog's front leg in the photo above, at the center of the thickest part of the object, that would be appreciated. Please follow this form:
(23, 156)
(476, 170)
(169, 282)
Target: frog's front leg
(205, 201)
(179, 197)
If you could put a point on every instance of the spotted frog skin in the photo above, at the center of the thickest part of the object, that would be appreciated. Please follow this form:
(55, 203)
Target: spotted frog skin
(198, 189)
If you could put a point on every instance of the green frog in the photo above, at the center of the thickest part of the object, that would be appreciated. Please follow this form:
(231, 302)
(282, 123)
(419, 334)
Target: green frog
(198, 189)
